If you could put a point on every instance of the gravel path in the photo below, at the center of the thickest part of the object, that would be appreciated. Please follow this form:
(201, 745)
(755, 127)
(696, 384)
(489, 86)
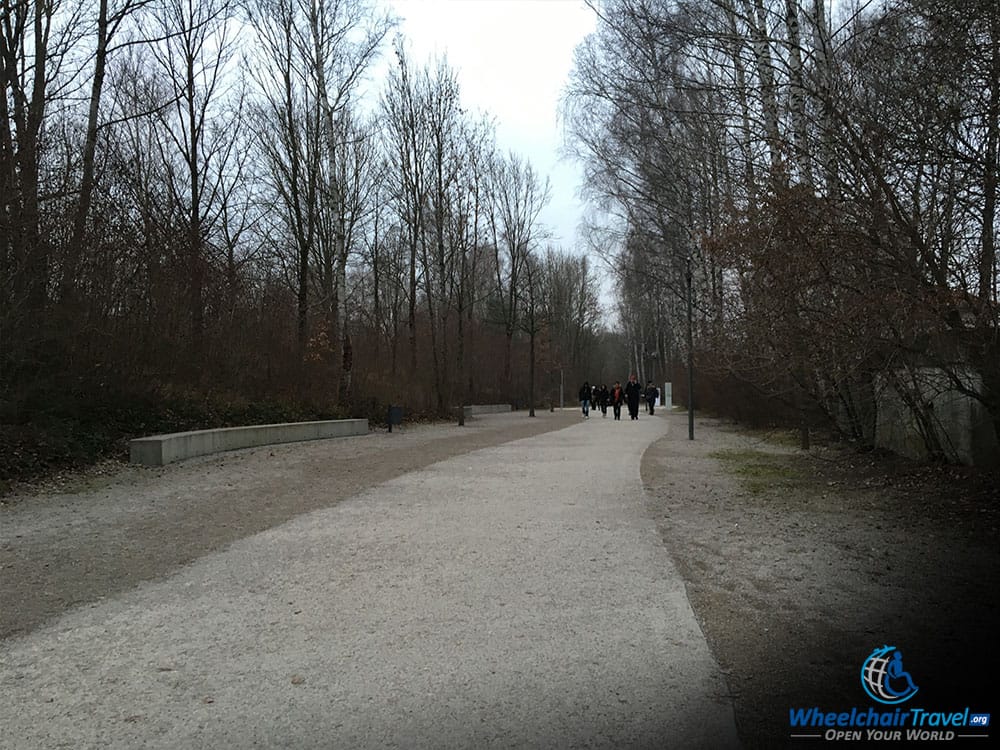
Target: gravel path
(517, 595)
(102, 534)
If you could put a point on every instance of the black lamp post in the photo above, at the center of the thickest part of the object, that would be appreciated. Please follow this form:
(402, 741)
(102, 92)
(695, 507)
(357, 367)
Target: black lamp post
(690, 332)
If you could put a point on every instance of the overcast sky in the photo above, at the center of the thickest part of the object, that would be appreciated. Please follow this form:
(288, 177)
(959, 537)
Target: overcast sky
(512, 58)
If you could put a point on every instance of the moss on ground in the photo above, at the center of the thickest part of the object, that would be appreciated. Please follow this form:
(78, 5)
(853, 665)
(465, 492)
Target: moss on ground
(759, 471)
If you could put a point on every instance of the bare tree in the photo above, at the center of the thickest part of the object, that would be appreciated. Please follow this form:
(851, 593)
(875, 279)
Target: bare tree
(466, 232)
(517, 198)
(318, 53)
(532, 317)
(108, 23)
(35, 40)
(407, 136)
(193, 58)
(904, 218)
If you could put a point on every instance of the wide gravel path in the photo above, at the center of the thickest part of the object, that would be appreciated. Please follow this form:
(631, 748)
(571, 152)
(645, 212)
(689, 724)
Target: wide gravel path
(514, 596)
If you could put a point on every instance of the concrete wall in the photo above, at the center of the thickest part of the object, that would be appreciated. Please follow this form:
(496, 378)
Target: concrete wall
(474, 409)
(163, 449)
(963, 425)
(471, 410)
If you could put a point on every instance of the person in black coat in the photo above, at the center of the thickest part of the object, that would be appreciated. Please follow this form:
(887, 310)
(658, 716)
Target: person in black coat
(585, 394)
(633, 392)
(652, 393)
(602, 399)
(617, 397)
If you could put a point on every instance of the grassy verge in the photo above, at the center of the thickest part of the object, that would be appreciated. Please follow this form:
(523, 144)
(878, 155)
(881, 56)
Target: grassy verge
(760, 472)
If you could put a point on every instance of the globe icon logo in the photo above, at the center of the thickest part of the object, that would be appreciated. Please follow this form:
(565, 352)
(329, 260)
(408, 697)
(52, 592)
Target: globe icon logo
(884, 679)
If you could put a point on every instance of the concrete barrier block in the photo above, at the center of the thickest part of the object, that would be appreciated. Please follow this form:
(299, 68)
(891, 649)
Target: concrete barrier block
(158, 450)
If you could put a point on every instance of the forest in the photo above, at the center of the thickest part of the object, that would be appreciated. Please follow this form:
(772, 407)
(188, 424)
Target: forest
(215, 214)
(819, 181)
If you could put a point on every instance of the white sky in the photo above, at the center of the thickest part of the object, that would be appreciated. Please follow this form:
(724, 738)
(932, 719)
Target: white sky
(513, 59)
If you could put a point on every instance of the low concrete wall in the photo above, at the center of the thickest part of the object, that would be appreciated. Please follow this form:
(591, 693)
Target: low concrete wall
(157, 450)
(473, 409)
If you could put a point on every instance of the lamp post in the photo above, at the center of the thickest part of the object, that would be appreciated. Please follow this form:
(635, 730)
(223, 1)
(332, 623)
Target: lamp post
(690, 336)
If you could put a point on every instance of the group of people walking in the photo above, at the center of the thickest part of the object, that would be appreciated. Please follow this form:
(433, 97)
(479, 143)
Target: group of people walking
(600, 397)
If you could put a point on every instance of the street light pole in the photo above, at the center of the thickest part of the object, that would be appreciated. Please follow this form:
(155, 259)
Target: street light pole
(690, 337)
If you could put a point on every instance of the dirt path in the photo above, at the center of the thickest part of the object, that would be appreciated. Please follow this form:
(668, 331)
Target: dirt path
(798, 567)
(61, 550)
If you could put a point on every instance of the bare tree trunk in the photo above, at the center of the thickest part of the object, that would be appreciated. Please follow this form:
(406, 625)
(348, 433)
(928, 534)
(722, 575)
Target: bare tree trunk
(507, 372)
(824, 75)
(641, 356)
(334, 189)
(75, 250)
(461, 302)
(25, 110)
(741, 95)
(470, 321)
(194, 221)
(757, 18)
(411, 319)
(463, 394)
(432, 321)
(394, 341)
(338, 324)
(797, 91)
(37, 250)
(987, 260)
(470, 314)
(531, 369)
(376, 297)
(302, 300)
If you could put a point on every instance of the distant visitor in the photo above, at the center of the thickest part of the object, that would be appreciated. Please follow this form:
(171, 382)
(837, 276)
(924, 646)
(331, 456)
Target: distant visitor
(617, 398)
(652, 393)
(601, 397)
(633, 392)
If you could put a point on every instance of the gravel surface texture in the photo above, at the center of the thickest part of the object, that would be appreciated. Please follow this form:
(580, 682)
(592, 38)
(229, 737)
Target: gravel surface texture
(500, 586)
(97, 534)
(515, 583)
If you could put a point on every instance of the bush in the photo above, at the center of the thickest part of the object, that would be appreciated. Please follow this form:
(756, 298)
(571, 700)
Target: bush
(48, 429)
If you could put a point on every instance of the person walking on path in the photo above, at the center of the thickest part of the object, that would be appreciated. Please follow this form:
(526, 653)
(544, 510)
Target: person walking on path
(616, 397)
(633, 392)
(652, 393)
(585, 399)
(602, 400)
